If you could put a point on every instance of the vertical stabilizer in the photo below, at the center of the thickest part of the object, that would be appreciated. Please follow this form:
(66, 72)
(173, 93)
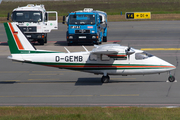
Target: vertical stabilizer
(17, 41)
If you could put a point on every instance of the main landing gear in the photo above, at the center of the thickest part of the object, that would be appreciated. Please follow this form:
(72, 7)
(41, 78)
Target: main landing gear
(171, 78)
(105, 79)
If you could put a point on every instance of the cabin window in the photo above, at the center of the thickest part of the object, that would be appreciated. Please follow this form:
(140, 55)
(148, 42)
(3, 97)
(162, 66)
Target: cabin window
(105, 58)
(143, 55)
(93, 57)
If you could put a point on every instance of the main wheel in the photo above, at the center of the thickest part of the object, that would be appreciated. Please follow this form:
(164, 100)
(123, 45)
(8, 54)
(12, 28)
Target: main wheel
(105, 79)
(171, 78)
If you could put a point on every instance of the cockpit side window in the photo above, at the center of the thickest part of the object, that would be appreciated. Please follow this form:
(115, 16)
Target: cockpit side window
(143, 55)
(93, 57)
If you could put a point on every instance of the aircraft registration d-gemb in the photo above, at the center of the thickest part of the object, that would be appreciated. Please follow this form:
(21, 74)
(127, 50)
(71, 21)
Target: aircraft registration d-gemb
(109, 59)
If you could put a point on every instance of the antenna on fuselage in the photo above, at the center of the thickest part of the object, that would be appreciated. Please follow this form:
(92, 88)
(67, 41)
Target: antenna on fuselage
(66, 49)
(85, 49)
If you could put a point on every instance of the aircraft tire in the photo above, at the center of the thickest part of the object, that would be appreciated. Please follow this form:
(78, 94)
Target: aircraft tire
(171, 78)
(105, 79)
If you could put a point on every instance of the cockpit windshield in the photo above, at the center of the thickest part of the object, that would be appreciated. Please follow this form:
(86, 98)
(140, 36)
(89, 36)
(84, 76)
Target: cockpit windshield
(143, 55)
(27, 16)
(82, 19)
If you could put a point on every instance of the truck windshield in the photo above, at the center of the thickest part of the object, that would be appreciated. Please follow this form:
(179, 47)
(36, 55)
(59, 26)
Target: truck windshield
(82, 19)
(27, 16)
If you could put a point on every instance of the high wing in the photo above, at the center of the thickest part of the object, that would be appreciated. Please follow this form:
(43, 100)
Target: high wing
(108, 49)
(111, 50)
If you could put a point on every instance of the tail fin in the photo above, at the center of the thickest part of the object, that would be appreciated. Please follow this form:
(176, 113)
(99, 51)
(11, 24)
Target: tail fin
(17, 41)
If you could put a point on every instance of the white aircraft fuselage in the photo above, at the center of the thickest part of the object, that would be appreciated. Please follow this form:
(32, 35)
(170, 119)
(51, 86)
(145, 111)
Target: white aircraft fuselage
(80, 61)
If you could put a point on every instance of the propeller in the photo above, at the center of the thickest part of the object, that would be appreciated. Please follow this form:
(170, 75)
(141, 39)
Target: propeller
(129, 51)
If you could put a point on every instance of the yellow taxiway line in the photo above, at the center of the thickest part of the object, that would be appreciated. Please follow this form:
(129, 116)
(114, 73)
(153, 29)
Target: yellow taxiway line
(160, 49)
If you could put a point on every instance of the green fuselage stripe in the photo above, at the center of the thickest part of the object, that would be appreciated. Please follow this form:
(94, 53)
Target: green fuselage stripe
(88, 66)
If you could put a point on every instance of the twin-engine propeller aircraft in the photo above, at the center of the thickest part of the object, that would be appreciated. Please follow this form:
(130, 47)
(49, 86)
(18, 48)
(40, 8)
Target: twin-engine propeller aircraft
(109, 59)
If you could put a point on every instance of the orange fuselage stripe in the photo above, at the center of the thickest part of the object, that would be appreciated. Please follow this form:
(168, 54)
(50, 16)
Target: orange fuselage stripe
(86, 66)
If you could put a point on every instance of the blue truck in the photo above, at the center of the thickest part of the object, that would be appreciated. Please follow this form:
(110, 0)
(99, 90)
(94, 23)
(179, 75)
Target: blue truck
(86, 26)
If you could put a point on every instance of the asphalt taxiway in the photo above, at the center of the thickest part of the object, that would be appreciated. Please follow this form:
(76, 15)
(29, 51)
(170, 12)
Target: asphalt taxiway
(32, 85)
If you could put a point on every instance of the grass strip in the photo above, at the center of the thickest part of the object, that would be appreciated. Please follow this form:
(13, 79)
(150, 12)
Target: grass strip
(112, 7)
(160, 9)
(89, 113)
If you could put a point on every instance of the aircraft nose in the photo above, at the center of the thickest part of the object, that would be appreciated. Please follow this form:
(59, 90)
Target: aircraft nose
(167, 65)
(171, 66)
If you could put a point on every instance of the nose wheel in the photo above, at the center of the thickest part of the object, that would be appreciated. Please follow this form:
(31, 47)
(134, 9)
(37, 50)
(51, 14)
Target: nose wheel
(105, 79)
(171, 78)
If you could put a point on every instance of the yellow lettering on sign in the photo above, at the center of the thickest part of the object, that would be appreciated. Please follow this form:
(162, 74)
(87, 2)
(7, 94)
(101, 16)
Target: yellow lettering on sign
(142, 15)
(129, 15)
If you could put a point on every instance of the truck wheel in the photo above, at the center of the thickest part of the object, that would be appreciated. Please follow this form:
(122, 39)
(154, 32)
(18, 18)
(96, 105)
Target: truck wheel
(45, 39)
(41, 41)
(69, 44)
(104, 39)
(98, 42)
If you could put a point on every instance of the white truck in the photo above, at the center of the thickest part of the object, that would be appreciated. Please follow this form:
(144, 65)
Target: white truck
(35, 22)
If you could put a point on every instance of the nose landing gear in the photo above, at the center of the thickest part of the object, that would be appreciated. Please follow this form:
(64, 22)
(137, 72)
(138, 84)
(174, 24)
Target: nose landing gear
(171, 78)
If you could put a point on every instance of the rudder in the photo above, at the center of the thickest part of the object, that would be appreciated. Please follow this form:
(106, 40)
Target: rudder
(16, 39)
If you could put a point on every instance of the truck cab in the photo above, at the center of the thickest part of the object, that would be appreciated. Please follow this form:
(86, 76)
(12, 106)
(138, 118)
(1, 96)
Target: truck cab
(34, 22)
(84, 27)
